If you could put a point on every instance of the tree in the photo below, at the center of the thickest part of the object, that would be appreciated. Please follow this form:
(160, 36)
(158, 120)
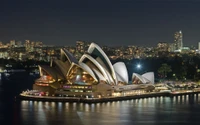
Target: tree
(164, 70)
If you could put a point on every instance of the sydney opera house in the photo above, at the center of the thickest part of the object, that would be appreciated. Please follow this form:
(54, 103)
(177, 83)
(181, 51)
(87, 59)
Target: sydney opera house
(93, 75)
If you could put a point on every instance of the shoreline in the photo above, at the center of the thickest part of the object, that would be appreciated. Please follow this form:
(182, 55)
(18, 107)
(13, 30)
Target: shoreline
(105, 99)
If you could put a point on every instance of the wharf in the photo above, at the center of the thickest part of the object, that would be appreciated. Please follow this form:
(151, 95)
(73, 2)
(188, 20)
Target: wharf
(106, 99)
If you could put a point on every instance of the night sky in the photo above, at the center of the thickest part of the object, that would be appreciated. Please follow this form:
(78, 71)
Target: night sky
(106, 22)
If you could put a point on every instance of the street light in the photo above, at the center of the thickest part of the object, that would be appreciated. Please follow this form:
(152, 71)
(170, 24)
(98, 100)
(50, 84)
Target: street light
(139, 66)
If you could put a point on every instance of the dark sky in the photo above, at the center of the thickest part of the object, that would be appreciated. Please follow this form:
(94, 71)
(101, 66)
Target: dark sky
(106, 22)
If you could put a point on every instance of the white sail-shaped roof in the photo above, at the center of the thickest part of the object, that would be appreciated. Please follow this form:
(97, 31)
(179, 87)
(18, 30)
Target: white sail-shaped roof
(149, 76)
(98, 59)
(84, 69)
(67, 56)
(99, 66)
(141, 78)
(119, 78)
(88, 70)
(94, 49)
(121, 71)
(111, 81)
(99, 75)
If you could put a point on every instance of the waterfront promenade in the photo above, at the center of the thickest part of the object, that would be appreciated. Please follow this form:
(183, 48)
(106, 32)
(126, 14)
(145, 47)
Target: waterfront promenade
(191, 93)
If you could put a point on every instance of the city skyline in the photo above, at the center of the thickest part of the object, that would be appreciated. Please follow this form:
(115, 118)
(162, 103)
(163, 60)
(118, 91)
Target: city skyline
(112, 23)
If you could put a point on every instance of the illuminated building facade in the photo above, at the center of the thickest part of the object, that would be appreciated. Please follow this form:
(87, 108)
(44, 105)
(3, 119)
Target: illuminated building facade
(92, 76)
(161, 46)
(80, 46)
(178, 40)
(12, 43)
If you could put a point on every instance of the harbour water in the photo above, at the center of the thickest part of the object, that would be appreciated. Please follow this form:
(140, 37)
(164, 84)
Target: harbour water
(181, 110)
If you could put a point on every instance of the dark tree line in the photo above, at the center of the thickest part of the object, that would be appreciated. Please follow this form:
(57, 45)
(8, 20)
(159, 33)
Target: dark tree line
(181, 68)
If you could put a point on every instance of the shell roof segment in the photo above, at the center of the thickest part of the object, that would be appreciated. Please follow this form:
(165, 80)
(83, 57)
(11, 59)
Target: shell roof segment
(94, 49)
(121, 71)
(93, 67)
(67, 56)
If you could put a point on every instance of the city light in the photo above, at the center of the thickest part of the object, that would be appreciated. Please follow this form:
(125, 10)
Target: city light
(139, 66)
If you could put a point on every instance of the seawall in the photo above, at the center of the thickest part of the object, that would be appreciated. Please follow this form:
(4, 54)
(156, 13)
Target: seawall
(105, 99)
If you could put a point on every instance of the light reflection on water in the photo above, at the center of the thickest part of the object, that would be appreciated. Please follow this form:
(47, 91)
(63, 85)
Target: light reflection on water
(150, 111)
(158, 110)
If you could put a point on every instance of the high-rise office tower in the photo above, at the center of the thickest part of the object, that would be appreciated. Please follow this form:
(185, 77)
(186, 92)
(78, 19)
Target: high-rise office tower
(27, 45)
(12, 42)
(178, 40)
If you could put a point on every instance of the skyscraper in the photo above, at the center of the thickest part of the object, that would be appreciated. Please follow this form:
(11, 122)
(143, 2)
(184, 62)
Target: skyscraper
(199, 46)
(12, 43)
(178, 40)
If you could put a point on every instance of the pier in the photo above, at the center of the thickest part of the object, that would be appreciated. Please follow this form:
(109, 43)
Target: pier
(193, 94)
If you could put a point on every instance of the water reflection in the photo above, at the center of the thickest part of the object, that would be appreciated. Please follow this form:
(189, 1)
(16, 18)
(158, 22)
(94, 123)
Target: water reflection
(158, 110)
